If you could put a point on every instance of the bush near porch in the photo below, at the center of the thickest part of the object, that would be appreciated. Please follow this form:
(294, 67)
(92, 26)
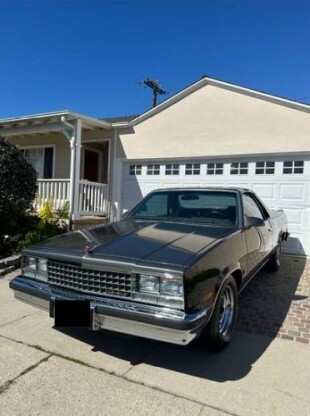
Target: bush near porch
(19, 226)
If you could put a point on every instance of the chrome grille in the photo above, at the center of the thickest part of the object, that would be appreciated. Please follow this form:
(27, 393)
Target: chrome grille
(100, 282)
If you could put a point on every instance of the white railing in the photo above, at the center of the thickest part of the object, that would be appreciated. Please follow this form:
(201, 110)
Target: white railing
(55, 190)
(92, 198)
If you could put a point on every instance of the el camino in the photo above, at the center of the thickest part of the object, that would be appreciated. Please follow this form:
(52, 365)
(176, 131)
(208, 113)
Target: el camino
(170, 270)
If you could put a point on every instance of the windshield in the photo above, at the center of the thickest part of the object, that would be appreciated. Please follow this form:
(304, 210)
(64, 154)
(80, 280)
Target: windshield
(212, 207)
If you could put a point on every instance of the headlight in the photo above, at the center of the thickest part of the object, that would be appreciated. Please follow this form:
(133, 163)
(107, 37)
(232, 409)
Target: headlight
(149, 284)
(171, 287)
(35, 267)
(42, 266)
(166, 290)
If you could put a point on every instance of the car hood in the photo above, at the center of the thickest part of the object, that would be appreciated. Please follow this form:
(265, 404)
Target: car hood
(139, 241)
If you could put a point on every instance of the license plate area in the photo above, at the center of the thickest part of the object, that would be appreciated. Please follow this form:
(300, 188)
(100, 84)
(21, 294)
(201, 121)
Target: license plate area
(72, 313)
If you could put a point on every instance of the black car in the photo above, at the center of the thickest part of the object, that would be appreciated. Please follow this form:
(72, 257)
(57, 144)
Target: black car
(170, 270)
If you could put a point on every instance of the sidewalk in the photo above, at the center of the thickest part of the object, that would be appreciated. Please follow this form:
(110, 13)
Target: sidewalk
(45, 371)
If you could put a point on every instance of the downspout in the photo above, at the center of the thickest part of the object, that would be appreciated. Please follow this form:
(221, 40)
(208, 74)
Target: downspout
(117, 180)
(110, 181)
(114, 202)
(72, 139)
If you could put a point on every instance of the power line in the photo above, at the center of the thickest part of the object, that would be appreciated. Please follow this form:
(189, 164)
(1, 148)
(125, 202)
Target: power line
(157, 90)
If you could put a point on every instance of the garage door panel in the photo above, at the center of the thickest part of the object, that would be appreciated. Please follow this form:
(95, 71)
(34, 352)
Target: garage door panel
(278, 190)
(237, 185)
(265, 190)
(151, 186)
(292, 191)
(294, 215)
(171, 185)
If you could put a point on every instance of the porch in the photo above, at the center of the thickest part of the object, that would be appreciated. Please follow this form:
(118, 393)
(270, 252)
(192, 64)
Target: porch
(73, 156)
(92, 197)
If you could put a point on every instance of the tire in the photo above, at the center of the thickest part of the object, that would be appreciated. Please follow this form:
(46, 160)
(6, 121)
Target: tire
(275, 259)
(219, 330)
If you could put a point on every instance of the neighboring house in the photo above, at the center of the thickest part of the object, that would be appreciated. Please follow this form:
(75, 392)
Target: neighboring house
(208, 134)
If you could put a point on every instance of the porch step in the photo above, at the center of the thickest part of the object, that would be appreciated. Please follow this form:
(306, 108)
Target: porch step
(91, 221)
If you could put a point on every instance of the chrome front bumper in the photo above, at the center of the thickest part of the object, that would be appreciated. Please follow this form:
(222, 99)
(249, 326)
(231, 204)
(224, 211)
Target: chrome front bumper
(158, 323)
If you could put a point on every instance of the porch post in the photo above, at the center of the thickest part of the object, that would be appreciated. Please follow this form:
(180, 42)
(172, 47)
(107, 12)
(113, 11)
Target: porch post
(78, 147)
(73, 137)
(72, 165)
(116, 177)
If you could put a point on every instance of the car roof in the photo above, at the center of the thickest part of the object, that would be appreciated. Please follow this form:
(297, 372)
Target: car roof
(204, 188)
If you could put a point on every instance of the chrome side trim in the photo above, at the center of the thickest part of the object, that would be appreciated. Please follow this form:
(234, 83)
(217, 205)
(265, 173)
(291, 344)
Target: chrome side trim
(254, 274)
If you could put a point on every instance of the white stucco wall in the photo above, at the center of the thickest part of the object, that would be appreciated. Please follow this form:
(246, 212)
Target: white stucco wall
(215, 121)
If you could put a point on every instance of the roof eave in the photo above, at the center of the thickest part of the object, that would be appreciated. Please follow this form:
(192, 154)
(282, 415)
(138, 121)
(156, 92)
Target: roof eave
(69, 115)
(122, 125)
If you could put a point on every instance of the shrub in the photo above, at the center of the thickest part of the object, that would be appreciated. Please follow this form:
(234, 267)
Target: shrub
(42, 230)
(55, 216)
(17, 186)
(45, 212)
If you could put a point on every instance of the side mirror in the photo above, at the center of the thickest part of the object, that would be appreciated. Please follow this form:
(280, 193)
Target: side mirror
(253, 222)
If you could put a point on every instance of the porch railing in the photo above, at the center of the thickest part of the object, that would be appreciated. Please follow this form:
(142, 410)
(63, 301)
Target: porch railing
(92, 196)
(57, 190)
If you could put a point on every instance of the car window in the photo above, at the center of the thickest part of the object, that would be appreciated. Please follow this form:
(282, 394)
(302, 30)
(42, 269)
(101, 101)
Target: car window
(251, 209)
(156, 206)
(213, 207)
(212, 200)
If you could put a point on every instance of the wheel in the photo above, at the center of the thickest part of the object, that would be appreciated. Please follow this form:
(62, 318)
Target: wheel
(275, 259)
(218, 332)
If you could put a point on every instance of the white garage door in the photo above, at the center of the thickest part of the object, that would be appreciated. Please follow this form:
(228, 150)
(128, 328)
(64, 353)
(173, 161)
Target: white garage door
(281, 184)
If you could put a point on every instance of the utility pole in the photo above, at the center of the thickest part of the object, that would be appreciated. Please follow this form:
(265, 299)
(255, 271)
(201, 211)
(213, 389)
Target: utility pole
(154, 85)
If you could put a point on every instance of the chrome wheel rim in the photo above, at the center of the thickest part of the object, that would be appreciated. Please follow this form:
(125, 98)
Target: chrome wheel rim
(227, 310)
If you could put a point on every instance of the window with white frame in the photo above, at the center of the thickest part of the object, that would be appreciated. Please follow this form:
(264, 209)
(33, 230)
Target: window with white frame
(264, 168)
(239, 168)
(293, 167)
(41, 158)
(215, 168)
(135, 170)
(153, 169)
(192, 169)
(172, 169)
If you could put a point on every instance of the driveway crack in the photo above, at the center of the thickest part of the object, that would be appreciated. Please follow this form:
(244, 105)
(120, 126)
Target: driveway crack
(18, 319)
(8, 383)
(140, 360)
(111, 373)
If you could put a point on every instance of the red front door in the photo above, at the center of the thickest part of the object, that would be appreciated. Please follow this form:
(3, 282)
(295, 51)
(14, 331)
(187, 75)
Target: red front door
(91, 165)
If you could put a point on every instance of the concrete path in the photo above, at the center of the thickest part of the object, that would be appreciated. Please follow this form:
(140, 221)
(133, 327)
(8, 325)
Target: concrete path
(44, 371)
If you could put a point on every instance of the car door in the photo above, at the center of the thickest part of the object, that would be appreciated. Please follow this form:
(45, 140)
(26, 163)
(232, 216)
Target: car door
(258, 239)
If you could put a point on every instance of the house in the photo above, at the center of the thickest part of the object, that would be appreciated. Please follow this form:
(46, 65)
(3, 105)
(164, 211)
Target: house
(210, 133)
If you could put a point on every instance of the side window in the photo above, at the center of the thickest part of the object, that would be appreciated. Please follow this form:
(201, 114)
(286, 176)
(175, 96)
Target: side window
(155, 206)
(251, 209)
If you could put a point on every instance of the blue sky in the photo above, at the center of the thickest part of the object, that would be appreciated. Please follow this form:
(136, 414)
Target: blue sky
(89, 56)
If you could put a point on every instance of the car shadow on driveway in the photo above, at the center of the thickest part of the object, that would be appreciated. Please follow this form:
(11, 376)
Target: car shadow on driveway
(263, 308)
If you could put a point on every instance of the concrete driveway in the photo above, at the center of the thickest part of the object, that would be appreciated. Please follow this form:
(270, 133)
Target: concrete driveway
(44, 371)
